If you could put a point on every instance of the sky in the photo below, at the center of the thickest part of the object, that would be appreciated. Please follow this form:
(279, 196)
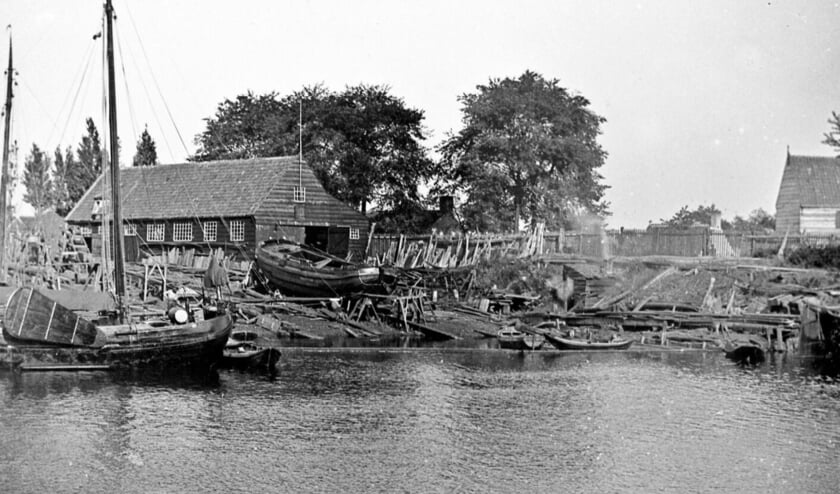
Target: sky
(702, 98)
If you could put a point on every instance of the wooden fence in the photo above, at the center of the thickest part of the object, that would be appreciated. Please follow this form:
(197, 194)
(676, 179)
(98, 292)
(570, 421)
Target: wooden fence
(695, 242)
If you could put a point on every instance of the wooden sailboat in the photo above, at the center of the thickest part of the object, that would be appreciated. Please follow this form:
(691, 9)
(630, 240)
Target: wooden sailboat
(40, 327)
(298, 269)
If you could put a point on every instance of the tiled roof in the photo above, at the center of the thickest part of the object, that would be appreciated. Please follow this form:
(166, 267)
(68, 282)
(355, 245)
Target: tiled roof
(228, 188)
(816, 179)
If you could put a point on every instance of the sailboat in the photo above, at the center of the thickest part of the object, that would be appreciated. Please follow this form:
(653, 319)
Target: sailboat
(45, 330)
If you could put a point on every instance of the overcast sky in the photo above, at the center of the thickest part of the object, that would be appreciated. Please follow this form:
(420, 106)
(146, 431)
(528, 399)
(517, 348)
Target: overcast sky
(701, 98)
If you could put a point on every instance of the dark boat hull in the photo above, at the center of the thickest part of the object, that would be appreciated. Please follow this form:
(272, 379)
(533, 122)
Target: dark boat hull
(156, 344)
(296, 276)
(570, 344)
(251, 358)
(519, 341)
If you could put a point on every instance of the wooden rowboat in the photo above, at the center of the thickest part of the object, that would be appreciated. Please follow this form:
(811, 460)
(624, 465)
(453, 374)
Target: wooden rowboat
(297, 269)
(512, 339)
(247, 356)
(562, 343)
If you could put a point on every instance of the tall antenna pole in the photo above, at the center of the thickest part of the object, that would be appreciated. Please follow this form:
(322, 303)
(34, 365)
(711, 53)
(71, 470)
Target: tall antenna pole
(4, 175)
(119, 261)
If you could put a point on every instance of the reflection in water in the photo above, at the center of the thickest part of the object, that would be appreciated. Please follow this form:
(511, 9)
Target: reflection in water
(430, 420)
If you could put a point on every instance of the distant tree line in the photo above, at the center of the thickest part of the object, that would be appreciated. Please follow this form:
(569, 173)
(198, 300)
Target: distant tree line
(758, 221)
(527, 151)
(58, 182)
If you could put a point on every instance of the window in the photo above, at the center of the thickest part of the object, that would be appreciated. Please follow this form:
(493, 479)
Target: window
(354, 234)
(129, 230)
(154, 232)
(85, 231)
(237, 231)
(299, 194)
(182, 232)
(209, 231)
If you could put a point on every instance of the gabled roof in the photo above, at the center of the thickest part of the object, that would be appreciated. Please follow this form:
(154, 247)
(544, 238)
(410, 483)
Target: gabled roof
(213, 188)
(816, 179)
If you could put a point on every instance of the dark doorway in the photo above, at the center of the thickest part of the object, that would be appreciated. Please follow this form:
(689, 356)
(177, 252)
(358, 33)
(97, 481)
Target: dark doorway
(317, 236)
(339, 243)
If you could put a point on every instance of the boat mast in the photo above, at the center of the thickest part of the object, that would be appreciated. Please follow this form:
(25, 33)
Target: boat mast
(114, 163)
(4, 175)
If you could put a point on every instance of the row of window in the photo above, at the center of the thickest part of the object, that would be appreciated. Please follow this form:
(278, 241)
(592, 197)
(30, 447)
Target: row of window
(182, 232)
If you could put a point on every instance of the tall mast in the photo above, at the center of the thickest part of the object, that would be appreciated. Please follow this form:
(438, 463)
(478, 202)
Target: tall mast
(114, 161)
(4, 175)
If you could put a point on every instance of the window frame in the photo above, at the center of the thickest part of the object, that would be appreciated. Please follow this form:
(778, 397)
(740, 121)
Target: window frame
(154, 228)
(182, 232)
(236, 230)
(206, 229)
(299, 194)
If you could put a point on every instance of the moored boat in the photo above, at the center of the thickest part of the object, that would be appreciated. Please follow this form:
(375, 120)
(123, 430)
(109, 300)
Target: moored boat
(562, 343)
(297, 269)
(247, 356)
(42, 329)
(513, 339)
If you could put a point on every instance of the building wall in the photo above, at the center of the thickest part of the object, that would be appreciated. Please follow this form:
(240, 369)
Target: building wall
(280, 216)
(136, 244)
(818, 220)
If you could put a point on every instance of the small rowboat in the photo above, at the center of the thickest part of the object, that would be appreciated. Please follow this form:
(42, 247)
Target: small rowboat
(576, 344)
(512, 339)
(247, 356)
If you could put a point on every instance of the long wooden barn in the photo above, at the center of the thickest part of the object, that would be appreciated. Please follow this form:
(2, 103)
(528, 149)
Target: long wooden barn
(232, 204)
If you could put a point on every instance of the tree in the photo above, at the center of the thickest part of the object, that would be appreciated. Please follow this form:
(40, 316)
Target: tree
(61, 197)
(685, 217)
(528, 148)
(82, 173)
(36, 179)
(759, 221)
(832, 137)
(362, 143)
(146, 150)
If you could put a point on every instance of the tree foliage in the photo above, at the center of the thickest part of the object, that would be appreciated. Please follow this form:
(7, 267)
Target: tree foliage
(82, 173)
(146, 154)
(528, 147)
(363, 143)
(61, 164)
(36, 179)
(685, 218)
(758, 221)
(832, 137)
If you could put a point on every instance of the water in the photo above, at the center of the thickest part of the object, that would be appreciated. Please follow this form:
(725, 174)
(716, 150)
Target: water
(430, 420)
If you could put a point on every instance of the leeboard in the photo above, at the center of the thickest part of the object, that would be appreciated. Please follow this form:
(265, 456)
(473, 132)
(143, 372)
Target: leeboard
(32, 316)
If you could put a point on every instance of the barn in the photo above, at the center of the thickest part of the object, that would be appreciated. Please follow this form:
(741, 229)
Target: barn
(809, 196)
(232, 204)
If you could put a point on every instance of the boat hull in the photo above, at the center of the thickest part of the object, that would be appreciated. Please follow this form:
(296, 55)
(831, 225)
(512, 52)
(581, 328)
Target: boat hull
(297, 276)
(250, 358)
(570, 344)
(148, 344)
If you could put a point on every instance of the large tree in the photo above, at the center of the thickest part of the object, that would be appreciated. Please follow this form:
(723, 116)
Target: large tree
(364, 144)
(146, 154)
(832, 137)
(36, 179)
(82, 173)
(527, 148)
(702, 215)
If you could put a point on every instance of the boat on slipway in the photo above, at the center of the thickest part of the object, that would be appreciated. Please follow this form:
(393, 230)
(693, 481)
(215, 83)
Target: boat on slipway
(300, 270)
(40, 328)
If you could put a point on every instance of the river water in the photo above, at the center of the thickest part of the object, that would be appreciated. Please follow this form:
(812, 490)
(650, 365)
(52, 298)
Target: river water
(430, 420)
